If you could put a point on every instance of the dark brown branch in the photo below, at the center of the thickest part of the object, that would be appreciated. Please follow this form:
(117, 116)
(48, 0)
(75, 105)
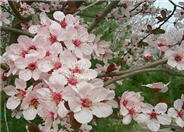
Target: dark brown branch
(174, 9)
(17, 31)
(132, 70)
(169, 71)
(108, 9)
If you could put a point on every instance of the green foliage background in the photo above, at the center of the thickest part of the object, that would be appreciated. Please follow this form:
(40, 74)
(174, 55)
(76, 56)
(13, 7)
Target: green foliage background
(112, 123)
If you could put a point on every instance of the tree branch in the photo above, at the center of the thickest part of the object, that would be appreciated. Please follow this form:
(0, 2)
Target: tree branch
(132, 70)
(104, 13)
(174, 9)
(17, 31)
(169, 71)
(16, 12)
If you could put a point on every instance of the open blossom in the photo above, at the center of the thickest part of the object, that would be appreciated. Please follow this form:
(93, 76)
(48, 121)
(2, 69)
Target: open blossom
(158, 87)
(176, 58)
(130, 106)
(177, 112)
(17, 93)
(91, 101)
(154, 116)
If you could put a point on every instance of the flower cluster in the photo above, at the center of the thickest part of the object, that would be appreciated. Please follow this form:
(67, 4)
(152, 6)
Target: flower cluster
(57, 64)
(133, 107)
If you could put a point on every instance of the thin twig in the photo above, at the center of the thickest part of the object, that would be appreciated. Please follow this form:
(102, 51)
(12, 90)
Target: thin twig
(132, 70)
(5, 119)
(17, 31)
(174, 9)
(90, 5)
(108, 9)
(7, 10)
(169, 71)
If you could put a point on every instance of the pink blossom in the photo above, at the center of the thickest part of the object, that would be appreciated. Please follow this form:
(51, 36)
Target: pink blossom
(177, 112)
(90, 101)
(158, 87)
(17, 93)
(130, 106)
(176, 58)
(4, 18)
(154, 116)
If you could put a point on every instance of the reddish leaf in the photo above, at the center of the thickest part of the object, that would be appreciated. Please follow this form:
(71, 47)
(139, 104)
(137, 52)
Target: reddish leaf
(33, 128)
(163, 13)
(73, 122)
(149, 27)
(111, 68)
(71, 7)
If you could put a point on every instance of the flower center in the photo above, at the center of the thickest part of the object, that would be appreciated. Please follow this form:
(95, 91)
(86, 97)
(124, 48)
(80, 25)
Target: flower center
(57, 65)
(23, 54)
(76, 70)
(178, 58)
(76, 42)
(57, 97)
(32, 66)
(32, 47)
(161, 44)
(86, 102)
(131, 111)
(181, 114)
(21, 94)
(124, 5)
(47, 53)
(52, 38)
(153, 115)
(51, 115)
(63, 24)
(125, 102)
(72, 81)
(34, 102)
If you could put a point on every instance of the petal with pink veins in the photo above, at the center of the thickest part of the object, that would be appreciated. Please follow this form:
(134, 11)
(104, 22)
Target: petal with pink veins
(84, 116)
(12, 102)
(30, 113)
(127, 119)
(101, 110)
(178, 104)
(25, 75)
(10, 90)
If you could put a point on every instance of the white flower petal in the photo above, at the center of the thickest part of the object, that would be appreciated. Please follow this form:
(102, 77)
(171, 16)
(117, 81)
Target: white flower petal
(58, 15)
(62, 111)
(161, 108)
(10, 90)
(101, 110)
(178, 104)
(164, 119)
(20, 84)
(25, 75)
(153, 125)
(84, 116)
(127, 119)
(172, 113)
(180, 122)
(30, 113)
(12, 102)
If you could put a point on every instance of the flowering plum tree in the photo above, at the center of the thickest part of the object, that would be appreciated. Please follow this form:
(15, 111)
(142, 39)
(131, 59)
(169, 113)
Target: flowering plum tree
(62, 62)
